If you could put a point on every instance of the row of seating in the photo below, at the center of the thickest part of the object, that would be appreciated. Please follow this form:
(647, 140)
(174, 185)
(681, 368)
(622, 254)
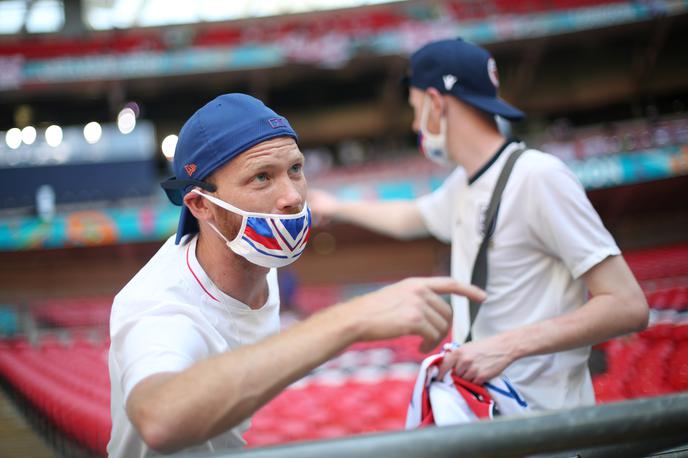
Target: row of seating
(67, 384)
(659, 263)
(352, 24)
(669, 299)
(364, 389)
(645, 365)
(73, 312)
(661, 295)
(320, 411)
(657, 269)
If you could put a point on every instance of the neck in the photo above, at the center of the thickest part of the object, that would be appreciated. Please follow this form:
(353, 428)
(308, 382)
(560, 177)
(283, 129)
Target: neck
(473, 139)
(231, 273)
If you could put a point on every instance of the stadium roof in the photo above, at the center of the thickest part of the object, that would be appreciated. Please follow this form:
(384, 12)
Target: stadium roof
(45, 16)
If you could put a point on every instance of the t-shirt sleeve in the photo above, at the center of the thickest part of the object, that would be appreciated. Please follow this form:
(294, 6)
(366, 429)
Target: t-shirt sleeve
(563, 219)
(155, 344)
(437, 207)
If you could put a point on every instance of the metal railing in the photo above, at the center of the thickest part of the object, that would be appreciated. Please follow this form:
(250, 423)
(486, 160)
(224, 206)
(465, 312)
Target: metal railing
(630, 428)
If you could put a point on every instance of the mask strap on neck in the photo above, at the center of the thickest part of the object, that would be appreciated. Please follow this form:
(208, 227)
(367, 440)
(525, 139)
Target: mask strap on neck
(213, 227)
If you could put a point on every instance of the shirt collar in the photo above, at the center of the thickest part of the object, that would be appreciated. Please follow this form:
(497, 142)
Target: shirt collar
(211, 291)
(492, 160)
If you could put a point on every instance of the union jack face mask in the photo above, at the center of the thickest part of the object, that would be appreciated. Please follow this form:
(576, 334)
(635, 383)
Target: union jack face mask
(265, 239)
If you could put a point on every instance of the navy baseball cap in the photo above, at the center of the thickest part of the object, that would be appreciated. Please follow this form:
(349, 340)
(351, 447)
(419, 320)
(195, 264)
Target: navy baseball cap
(462, 69)
(215, 134)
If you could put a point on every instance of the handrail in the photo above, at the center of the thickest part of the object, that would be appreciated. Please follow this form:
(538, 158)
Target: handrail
(660, 420)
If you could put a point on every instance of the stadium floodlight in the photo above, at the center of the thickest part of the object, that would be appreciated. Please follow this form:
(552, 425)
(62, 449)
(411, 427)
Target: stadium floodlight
(28, 135)
(13, 138)
(53, 135)
(126, 120)
(92, 132)
(169, 144)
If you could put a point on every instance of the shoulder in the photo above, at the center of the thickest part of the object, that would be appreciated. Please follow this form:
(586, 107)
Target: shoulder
(156, 280)
(454, 180)
(537, 169)
(458, 175)
(536, 163)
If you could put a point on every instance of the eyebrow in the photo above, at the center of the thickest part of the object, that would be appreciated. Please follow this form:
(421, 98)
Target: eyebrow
(267, 161)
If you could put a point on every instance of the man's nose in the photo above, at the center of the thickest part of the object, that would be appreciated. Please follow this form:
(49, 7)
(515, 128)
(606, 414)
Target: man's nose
(290, 198)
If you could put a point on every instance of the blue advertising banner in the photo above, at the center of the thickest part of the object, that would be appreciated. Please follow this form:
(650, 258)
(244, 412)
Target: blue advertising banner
(156, 222)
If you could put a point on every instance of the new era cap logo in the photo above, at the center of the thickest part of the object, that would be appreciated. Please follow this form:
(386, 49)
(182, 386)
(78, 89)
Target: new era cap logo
(190, 169)
(449, 81)
(492, 72)
(276, 123)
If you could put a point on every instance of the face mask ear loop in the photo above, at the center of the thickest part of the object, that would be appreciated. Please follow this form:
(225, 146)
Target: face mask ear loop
(231, 208)
(425, 116)
(443, 129)
(239, 212)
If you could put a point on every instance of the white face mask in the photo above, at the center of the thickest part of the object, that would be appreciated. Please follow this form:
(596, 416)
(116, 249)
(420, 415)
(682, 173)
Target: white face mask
(433, 146)
(265, 239)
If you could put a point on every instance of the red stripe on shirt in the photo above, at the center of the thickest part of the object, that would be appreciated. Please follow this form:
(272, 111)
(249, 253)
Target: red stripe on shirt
(194, 274)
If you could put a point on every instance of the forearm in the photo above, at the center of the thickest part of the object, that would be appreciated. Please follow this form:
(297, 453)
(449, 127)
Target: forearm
(399, 219)
(218, 393)
(601, 318)
(617, 306)
(172, 411)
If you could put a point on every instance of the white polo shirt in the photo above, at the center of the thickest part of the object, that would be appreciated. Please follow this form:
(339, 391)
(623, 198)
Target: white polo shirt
(547, 236)
(169, 316)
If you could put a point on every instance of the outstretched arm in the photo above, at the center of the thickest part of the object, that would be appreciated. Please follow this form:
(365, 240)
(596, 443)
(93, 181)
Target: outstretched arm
(172, 411)
(400, 219)
(617, 306)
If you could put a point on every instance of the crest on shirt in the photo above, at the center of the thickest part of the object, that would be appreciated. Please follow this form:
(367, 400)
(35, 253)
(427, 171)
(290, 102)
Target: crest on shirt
(482, 210)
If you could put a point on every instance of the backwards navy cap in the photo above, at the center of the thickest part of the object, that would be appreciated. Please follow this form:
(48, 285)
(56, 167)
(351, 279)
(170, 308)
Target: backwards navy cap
(215, 134)
(464, 70)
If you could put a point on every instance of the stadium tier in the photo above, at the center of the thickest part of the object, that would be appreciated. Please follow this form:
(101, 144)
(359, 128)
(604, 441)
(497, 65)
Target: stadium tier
(357, 22)
(632, 152)
(326, 39)
(75, 312)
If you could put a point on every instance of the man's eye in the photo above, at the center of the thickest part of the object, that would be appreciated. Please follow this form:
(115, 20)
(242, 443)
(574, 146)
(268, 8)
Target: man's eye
(296, 168)
(261, 177)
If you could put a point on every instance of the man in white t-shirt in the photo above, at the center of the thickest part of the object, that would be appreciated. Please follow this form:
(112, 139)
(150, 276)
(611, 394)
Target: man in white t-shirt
(194, 350)
(548, 250)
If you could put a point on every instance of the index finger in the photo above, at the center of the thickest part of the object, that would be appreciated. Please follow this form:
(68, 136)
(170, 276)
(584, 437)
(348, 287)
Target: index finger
(447, 285)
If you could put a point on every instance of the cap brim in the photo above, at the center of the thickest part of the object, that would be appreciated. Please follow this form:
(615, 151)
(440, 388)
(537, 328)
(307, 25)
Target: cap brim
(188, 224)
(492, 105)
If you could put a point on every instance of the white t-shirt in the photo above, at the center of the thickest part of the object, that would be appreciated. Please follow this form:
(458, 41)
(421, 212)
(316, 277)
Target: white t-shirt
(547, 235)
(169, 316)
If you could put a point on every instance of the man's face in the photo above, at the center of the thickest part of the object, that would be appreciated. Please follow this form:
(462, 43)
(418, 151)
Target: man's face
(267, 178)
(417, 98)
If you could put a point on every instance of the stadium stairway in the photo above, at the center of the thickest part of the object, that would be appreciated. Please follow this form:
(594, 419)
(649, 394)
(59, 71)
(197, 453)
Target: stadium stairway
(17, 438)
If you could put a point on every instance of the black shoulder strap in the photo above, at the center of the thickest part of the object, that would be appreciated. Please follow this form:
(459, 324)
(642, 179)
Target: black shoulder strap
(479, 276)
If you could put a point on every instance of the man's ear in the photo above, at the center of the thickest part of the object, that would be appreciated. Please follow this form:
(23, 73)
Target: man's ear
(198, 206)
(437, 100)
